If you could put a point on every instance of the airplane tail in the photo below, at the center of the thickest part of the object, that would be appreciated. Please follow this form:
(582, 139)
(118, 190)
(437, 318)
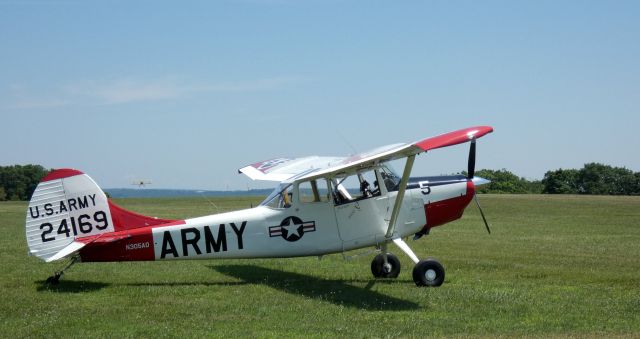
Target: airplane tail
(68, 210)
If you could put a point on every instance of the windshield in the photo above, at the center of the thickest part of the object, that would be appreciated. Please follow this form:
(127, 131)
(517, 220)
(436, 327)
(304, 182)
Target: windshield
(279, 198)
(390, 178)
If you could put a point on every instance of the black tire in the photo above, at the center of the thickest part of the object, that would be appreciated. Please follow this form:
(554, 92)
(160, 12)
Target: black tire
(428, 273)
(390, 271)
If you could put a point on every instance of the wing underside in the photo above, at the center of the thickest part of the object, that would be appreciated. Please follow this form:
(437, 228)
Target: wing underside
(284, 169)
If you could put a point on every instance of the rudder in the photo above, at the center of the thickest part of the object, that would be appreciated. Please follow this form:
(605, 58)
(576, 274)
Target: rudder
(67, 204)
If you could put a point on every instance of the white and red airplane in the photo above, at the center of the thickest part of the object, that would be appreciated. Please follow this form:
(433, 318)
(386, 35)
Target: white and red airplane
(322, 205)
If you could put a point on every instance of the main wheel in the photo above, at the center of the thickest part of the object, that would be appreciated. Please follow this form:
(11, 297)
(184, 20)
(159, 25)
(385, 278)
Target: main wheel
(428, 273)
(389, 270)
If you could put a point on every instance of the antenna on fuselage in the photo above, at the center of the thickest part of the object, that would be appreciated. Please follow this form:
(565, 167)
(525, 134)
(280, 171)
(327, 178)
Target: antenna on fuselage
(209, 201)
(346, 141)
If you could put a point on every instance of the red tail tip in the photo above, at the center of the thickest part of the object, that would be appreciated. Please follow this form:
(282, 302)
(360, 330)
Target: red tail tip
(61, 174)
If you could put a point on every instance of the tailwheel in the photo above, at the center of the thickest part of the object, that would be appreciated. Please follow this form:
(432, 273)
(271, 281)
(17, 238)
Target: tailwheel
(389, 268)
(428, 273)
(54, 279)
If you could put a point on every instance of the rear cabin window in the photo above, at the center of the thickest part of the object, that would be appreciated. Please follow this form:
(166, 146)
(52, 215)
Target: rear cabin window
(313, 191)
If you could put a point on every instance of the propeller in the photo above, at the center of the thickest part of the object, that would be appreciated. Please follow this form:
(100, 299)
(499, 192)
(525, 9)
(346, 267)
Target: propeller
(471, 170)
(486, 224)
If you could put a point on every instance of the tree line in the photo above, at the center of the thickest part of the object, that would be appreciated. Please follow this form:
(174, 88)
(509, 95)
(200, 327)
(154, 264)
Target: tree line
(18, 182)
(593, 178)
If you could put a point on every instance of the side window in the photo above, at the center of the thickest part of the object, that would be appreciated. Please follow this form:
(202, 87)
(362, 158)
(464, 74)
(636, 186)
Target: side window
(313, 191)
(279, 199)
(390, 178)
(358, 186)
(368, 184)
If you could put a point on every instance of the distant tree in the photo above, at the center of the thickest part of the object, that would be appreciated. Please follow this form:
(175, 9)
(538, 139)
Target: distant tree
(625, 182)
(18, 182)
(596, 178)
(628, 184)
(535, 186)
(503, 181)
(593, 178)
(3, 194)
(560, 181)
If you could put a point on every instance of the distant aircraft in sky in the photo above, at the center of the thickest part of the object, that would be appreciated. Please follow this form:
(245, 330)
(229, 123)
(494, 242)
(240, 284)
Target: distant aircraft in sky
(141, 183)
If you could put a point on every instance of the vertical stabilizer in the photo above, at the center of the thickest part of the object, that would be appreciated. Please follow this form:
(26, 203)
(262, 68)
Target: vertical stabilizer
(67, 204)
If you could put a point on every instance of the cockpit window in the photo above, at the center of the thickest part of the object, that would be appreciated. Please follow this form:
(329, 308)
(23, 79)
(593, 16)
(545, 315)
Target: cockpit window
(279, 198)
(362, 185)
(390, 178)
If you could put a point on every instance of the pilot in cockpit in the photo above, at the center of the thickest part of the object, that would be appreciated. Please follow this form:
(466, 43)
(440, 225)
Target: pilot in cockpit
(364, 188)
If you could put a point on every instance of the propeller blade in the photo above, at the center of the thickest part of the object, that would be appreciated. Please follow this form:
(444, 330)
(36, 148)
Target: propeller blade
(486, 224)
(471, 170)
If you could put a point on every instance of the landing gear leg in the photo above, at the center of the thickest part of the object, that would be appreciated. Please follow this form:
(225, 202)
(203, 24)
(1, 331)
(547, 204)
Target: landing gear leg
(55, 278)
(428, 272)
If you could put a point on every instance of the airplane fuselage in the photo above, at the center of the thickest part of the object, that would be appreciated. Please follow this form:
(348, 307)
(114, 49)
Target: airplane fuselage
(301, 229)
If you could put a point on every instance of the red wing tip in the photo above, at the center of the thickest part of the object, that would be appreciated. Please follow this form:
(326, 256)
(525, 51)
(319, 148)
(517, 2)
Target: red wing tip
(61, 174)
(480, 129)
(486, 129)
(454, 138)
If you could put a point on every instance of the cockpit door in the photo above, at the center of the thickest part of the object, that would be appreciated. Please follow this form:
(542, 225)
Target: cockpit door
(361, 208)
(309, 224)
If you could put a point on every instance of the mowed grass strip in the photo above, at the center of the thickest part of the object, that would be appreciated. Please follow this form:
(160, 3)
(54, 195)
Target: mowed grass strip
(553, 266)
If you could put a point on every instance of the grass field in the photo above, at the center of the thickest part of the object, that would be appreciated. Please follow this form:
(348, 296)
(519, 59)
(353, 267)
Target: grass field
(553, 266)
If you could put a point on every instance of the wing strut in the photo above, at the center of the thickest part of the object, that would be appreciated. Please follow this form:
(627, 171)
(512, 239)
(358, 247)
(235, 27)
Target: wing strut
(400, 197)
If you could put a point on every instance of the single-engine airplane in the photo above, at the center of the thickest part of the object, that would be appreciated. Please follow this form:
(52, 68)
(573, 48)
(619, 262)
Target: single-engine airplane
(322, 205)
(141, 183)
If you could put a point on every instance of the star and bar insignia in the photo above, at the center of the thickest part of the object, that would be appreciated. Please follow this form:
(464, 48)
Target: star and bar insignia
(292, 229)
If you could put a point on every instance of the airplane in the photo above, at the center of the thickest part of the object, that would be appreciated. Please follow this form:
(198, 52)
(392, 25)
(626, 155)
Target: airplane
(141, 183)
(322, 205)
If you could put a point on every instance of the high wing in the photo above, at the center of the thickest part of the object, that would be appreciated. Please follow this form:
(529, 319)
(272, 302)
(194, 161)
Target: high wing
(316, 167)
(282, 169)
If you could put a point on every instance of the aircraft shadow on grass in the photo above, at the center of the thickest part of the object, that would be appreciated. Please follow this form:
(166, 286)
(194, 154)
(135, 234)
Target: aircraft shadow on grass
(338, 292)
(81, 286)
(70, 286)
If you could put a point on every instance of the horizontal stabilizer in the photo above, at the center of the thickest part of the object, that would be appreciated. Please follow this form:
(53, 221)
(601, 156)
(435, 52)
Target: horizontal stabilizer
(65, 252)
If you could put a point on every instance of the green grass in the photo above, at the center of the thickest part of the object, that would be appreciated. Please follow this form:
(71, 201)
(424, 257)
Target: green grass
(553, 266)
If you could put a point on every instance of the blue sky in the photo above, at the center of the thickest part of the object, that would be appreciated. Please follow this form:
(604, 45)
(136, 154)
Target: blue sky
(185, 93)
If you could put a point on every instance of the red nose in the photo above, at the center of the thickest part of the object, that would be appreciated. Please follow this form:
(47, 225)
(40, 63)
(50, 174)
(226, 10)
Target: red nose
(442, 212)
